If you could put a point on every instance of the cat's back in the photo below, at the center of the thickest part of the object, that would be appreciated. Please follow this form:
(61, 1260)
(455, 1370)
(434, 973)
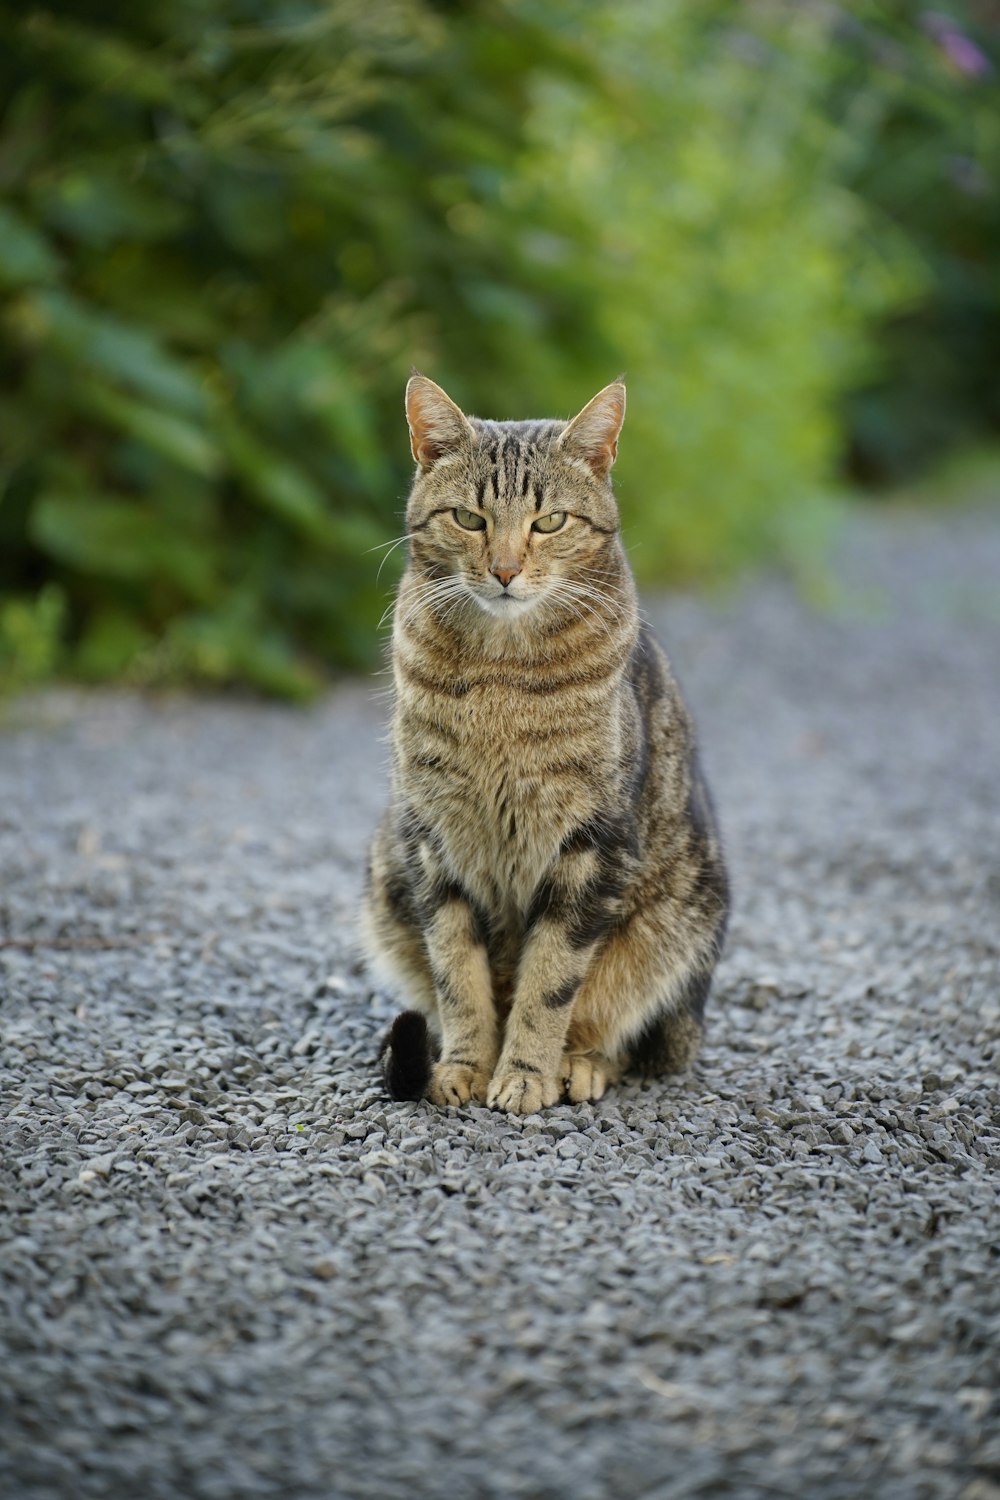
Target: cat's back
(675, 816)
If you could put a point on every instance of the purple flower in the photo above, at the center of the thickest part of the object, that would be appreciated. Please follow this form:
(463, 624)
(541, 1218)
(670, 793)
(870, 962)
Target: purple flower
(959, 49)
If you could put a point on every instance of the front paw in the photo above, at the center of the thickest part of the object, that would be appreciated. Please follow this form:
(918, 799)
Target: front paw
(457, 1083)
(522, 1093)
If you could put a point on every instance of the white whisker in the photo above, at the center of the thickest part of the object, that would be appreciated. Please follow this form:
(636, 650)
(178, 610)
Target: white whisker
(583, 598)
(406, 537)
(432, 594)
(390, 543)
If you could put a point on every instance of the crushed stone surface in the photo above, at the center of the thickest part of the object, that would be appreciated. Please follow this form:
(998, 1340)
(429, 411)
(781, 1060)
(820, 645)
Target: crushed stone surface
(230, 1268)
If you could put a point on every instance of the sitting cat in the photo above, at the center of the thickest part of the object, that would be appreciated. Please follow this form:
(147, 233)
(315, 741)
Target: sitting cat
(547, 888)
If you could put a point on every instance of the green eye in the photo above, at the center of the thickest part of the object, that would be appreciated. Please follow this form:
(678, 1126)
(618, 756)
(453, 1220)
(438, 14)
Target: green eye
(550, 523)
(470, 520)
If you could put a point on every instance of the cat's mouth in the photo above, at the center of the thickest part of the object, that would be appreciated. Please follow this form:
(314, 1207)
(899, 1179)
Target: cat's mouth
(505, 604)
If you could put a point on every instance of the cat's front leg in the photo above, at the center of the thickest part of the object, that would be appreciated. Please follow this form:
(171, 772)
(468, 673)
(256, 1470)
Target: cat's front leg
(569, 918)
(456, 949)
(528, 1075)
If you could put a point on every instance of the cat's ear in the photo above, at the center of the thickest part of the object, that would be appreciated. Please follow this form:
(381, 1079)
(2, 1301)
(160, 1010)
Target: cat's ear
(593, 433)
(437, 426)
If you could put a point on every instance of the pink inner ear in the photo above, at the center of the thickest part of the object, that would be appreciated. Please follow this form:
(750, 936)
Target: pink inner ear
(593, 433)
(424, 448)
(436, 424)
(421, 445)
(599, 450)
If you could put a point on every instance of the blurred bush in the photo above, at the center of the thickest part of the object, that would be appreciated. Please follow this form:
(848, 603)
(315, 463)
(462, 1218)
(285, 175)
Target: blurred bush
(734, 276)
(230, 227)
(917, 92)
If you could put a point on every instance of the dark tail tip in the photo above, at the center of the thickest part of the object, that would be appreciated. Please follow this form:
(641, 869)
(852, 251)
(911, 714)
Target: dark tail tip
(406, 1056)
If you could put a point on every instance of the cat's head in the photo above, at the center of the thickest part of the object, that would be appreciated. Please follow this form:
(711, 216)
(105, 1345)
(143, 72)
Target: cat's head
(510, 513)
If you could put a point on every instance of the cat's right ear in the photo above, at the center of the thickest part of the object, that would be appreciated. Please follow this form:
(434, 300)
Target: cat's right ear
(437, 425)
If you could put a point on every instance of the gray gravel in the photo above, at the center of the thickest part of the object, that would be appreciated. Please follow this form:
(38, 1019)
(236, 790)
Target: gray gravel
(230, 1268)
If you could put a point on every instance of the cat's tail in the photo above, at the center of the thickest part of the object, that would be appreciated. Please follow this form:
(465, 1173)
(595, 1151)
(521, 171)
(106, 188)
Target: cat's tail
(406, 1057)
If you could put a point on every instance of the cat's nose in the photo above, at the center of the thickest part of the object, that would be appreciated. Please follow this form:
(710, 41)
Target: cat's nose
(505, 571)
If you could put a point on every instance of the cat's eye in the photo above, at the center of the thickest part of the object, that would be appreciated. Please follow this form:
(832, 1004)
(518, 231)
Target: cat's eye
(551, 522)
(470, 520)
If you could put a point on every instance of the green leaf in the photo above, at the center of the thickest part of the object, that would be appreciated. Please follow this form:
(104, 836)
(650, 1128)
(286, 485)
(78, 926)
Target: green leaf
(277, 484)
(229, 645)
(93, 206)
(121, 539)
(93, 339)
(104, 62)
(172, 436)
(26, 257)
(31, 630)
(112, 644)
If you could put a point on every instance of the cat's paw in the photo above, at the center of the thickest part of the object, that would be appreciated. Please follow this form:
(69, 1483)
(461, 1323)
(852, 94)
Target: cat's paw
(457, 1083)
(586, 1075)
(522, 1093)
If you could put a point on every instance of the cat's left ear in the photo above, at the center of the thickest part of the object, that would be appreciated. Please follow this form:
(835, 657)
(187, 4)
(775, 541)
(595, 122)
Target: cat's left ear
(593, 433)
(437, 425)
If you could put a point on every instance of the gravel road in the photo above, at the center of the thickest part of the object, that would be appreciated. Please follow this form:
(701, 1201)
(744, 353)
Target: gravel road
(229, 1268)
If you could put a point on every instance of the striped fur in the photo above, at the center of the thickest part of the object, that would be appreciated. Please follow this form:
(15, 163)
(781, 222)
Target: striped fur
(547, 885)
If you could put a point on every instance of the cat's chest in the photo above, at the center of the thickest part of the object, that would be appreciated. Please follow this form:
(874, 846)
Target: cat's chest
(501, 794)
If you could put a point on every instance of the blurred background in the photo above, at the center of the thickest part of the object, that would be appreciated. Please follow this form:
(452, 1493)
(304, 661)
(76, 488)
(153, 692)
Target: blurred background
(229, 228)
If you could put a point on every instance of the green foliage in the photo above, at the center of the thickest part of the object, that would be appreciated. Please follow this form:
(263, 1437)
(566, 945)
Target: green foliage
(918, 92)
(230, 227)
(738, 293)
(30, 631)
(227, 237)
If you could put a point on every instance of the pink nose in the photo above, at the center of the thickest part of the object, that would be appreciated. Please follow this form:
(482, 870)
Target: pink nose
(505, 572)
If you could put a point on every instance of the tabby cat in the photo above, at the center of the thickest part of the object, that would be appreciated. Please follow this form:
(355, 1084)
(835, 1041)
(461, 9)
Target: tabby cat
(547, 889)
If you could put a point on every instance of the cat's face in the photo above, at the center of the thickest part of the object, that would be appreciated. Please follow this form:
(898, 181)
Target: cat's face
(509, 514)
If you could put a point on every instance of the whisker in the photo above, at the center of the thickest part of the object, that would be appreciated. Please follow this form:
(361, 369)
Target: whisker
(430, 595)
(397, 543)
(562, 593)
(393, 541)
(566, 589)
(453, 607)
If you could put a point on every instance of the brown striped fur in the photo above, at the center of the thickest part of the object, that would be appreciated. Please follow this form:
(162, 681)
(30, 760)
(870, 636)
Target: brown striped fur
(547, 885)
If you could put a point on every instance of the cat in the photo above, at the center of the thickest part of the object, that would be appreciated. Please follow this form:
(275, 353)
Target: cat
(547, 889)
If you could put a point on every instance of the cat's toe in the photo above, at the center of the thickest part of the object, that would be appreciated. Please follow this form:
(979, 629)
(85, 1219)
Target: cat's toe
(522, 1093)
(457, 1083)
(586, 1076)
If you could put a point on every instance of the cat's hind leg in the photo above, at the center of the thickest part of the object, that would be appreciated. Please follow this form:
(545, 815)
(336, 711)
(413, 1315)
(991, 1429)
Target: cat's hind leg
(391, 932)
(586, 1075)
(671, 1039)
(642, 1002)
